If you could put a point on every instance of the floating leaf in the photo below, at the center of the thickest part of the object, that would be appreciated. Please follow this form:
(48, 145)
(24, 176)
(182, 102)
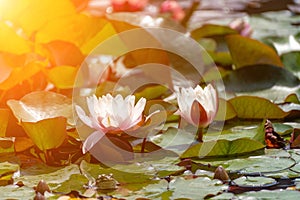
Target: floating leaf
(291, 61)
(274, 194)
(249, 107)
(222, 148)
(76, 29)
(253, 181)
(11, 42)
(6, 145)
(63, 77)
(47, 133)
(259, 77)
(208, 30)
(20, 74)
(292, 98)
(7, 171)
(41, 105)
(198, 188)
(257, 164)
(4, 115)
(246, 51)
(63, 53)
(54, 177)
(225, 111)
(151, 92)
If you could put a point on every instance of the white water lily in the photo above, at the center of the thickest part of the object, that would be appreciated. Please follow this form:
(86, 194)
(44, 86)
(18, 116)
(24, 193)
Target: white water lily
(110, 114)
(197, 106)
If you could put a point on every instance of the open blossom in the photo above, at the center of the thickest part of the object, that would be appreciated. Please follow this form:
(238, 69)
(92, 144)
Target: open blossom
(172, 7)
(198, 106)
(110, 114)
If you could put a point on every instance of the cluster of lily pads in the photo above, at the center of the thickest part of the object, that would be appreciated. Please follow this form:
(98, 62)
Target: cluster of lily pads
(47, 130)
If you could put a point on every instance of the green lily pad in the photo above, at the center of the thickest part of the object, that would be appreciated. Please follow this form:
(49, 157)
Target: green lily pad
(48, 133)
(16, 192)
(292, 98)
(223, 148)
(225, 111)
(275, 194)
(249, 107)
(253, 181)
(291, 61)
(54, 178)
(259, 77)
(246, 51)
(259, 164)
(180, 188)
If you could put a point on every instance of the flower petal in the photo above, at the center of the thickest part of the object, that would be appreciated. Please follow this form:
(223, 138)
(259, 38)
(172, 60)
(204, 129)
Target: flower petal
(83, 117)
(91, 140)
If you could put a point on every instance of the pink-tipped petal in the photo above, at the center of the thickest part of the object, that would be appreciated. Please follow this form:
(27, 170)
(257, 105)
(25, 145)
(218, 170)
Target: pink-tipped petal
(91, 140)
(83, 117)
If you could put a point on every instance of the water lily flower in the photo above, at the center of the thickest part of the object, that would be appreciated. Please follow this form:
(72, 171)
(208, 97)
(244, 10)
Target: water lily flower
(198, 106)
(242, 27)
(174, 8)
(128, 5)
(110, 114)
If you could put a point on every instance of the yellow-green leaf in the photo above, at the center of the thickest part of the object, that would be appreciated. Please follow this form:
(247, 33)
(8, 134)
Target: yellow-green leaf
(225, 111)
(4, 115)
(63, 77)
(251, 107)
(246, 51)
(11, 42)
(208, 30)
(20, 74)
(48, 133)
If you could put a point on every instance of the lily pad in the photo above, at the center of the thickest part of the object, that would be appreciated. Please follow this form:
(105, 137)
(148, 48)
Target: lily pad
(225, 111)
(40, 105)
(276, 194)
(249, 107)
(257, 164)
(4, 115)
(223, 148)
(208, 30)
(246, 51)
(180, 188)
(48, 133)
(253, 181)
(258, 77)
(63, 77)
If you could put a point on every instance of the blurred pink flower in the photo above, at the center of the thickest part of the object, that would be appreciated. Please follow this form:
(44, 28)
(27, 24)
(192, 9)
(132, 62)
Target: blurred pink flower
(128, 5)
(110, 114)
(172, 7)
(198, 106)
(242, 27)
